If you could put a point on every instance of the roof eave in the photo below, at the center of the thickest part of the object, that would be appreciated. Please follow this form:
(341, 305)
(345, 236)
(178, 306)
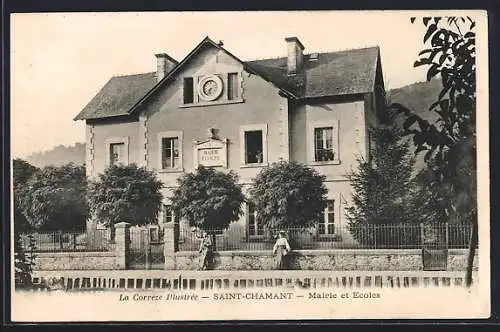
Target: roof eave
(339, 95)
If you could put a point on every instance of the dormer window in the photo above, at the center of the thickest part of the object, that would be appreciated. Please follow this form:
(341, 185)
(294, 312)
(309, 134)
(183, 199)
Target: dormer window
(188, 91)
(232, 86)
(212, 89)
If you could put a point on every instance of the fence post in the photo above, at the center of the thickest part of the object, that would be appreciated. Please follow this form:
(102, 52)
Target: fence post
(446, 235)
(422, 235)
(171, 243)
(122, 245)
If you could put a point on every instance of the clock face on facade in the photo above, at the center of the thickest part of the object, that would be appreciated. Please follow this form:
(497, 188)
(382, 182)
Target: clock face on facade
(210, 87)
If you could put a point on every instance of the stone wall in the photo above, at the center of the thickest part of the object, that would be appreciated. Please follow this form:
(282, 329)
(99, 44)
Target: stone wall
(337, 260)
(312, 260)
(51, 261)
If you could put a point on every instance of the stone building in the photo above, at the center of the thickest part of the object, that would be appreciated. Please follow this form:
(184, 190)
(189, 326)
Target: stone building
(214, 109)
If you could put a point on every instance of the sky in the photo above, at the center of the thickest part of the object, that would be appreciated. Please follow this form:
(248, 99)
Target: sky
(59, 61)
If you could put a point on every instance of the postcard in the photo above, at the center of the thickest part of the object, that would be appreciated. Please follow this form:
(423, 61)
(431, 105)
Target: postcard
(197, 166)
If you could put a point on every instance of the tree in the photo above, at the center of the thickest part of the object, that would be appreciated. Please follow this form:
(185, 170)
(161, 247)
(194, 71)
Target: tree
(208, 199)
(383, 187)
(450, 142)
(22, 171)
(23, 256)
(54, 198)
(24, 260)
(128, 193)
(288, 194)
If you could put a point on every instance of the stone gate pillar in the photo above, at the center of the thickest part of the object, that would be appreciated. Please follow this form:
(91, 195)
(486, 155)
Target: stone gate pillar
(122, 245)
(171, 243)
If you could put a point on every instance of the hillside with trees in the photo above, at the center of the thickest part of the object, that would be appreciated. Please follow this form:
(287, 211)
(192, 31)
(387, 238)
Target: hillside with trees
(418, 97)
(58, 156)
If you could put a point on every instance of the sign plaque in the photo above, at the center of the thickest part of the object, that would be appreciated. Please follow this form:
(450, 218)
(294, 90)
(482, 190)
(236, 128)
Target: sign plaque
(211, 153)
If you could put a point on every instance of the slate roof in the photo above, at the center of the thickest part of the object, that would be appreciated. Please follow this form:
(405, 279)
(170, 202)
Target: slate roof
(332, 74)
(118, 96)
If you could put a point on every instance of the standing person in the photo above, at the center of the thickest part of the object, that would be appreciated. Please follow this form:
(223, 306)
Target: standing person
(205, 250)
(281, 249)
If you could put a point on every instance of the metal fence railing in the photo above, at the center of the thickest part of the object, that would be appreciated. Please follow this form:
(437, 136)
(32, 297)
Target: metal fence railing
(96, 240)
(146, 248)
(392, 236)
(238, 237)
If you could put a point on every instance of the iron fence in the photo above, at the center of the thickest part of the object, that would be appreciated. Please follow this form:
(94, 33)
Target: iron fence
(146, 248)
(95, 240)
(392, 236)
(147, 244)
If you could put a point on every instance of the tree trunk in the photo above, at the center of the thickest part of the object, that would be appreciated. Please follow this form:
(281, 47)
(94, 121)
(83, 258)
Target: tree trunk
(472, 253)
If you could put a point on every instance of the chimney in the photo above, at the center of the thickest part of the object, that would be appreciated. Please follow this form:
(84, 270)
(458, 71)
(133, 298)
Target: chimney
(294, 55)
(164, 64)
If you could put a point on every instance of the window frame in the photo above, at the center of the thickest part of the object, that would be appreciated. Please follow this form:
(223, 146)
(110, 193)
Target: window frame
(170, 134)
(111, 153)
(311, 142)
(323, 131)
(236, 87)
(326, 222)
(254, 236)
(193, 90)
(117, 140)
(243, 148)
(173, 215)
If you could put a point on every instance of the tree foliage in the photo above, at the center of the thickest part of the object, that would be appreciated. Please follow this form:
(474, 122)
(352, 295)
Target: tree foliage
(54, 198)
(450, 142)
(288, 194)
(125, 194)
(24, 261)
(23, 257)
(383, 187)
(208, 199)
(21, 173)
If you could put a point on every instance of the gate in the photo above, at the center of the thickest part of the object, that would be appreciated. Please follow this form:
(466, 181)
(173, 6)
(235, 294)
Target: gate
(146, 249)
(434, 247)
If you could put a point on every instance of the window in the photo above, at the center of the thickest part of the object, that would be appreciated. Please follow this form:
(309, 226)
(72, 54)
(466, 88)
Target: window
(326, 226)
(168, 214)
(188, 90)
(253, 147)
(323, 144)
(322, 141)
(170, 153)
(255, 228)
(154, 234)
(116, 153)
(232, 86)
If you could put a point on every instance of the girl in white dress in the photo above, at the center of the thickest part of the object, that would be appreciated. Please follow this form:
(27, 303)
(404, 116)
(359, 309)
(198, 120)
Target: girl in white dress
(281, 249)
